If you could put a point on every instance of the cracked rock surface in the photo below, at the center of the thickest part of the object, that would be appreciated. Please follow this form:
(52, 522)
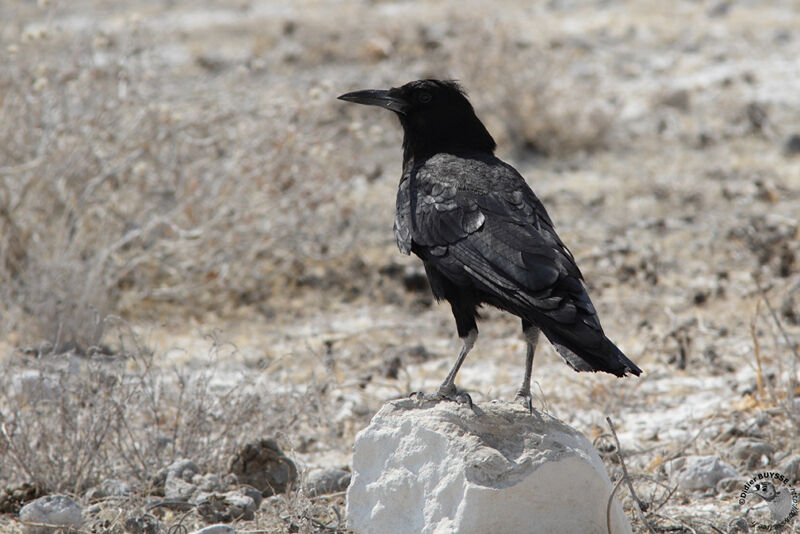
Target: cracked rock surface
(436, 468)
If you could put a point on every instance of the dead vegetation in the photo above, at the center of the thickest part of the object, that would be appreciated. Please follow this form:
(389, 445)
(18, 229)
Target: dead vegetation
(119, 192)
(188, 166)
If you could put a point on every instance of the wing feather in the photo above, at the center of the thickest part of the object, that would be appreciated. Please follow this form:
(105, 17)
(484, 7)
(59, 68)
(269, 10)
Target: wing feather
(497, 237)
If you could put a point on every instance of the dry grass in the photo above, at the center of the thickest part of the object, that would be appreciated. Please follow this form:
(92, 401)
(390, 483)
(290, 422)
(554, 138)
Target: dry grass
(119, 191)
(70, 421)
(122, 188)
(188, 164)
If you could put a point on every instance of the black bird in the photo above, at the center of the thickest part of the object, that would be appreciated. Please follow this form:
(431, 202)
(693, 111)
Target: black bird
(483, 236)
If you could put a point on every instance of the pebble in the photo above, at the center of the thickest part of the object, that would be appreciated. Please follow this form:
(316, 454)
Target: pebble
(699, 472)
(110, 487)
(324, 481)
(226, 507)
(792, 145)
(753, 452)
(263, 465)
(209, 482)
(177, 489)
(215, 529)
(677, 98)
(178, 478)
(57, 510)
(184, 469)
(251, 492)
(142, 524)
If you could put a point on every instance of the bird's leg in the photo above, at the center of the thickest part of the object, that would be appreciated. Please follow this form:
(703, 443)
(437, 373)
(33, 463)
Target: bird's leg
(531, 333)
(448, 388)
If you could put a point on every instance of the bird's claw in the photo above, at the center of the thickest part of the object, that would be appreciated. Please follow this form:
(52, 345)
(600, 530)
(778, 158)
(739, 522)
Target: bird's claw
(525, 398)
(452, 393)
(444, 394)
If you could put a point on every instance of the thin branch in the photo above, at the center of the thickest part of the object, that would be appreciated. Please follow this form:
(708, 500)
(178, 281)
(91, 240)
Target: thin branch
(611, 500)
(12, 450)
(778, 322)
(640, 506)
(757, 352)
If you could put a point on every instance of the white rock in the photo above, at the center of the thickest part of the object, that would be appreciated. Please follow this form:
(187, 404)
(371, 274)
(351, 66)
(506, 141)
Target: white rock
(444, 468)
(56, 510)
(215, 529)
(699, 472)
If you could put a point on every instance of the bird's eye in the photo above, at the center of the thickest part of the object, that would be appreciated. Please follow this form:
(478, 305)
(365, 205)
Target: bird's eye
(424, 97)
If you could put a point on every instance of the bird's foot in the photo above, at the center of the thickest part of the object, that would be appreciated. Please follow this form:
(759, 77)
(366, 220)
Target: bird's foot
(525, 398)
(452, 393)
(445, 392)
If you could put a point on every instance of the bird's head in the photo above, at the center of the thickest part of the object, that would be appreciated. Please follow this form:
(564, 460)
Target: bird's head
(435, 114)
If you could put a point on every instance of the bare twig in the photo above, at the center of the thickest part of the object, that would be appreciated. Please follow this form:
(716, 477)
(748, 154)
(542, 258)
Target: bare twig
(778, 323)
(640, 506)
(757, 352)
(667, 498)
(610, 502)
(792, 386)
(12, 450)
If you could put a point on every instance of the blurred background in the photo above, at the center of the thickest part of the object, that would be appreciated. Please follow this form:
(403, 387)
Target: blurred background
(196, 244)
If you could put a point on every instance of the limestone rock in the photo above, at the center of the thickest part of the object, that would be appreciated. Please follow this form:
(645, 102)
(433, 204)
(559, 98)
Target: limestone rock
(699, 472)
(215, 529)
(60, 511)
(437, 468)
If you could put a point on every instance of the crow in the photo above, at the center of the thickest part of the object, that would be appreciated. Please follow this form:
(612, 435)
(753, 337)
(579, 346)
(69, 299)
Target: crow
(483, 236)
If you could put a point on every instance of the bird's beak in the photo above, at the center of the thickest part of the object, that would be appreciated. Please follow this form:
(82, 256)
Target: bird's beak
(377, 97)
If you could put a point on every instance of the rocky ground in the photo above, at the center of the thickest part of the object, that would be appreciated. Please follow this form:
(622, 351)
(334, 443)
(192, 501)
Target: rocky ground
(196, 250)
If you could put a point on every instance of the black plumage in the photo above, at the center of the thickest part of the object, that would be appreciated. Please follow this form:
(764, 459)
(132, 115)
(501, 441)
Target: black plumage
(483, 236)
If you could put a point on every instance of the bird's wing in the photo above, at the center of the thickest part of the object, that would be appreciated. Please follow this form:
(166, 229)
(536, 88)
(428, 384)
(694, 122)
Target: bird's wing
(496, 237)
(502, 241)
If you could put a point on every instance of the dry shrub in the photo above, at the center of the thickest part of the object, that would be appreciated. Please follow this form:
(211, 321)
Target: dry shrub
(127, 182)
(67, 422)
(119, 188)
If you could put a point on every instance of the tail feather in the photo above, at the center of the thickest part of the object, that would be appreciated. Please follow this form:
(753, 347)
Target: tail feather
(604, 356)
